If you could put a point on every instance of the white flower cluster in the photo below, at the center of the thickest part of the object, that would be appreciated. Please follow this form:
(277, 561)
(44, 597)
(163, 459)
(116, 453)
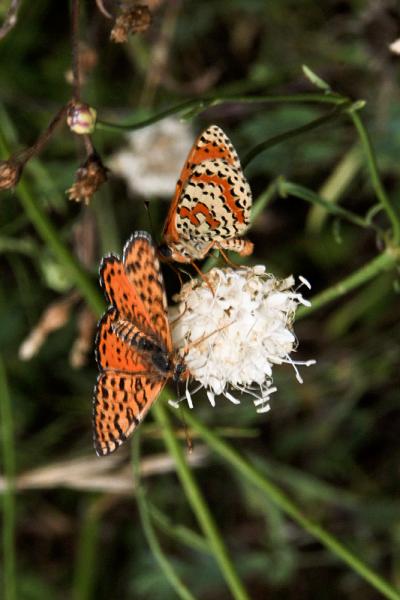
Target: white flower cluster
(233, 327)
(148, 163)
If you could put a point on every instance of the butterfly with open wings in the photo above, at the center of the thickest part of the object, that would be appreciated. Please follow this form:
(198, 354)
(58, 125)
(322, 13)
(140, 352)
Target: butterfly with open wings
(133, 344)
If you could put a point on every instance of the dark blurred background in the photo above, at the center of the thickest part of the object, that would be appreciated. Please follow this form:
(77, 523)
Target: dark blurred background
(331, 442)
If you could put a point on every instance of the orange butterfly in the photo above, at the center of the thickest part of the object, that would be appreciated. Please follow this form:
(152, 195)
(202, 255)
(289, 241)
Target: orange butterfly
(133, 344)
(212, 202)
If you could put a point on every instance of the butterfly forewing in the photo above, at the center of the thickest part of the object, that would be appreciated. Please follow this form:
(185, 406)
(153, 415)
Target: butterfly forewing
(143, 271)
(121, 294)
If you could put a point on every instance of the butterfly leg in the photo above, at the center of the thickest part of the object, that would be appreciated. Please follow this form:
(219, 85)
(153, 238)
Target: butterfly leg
(204, 277)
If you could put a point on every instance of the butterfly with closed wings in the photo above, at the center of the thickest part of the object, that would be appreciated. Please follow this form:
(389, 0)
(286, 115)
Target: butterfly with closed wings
(212, 202)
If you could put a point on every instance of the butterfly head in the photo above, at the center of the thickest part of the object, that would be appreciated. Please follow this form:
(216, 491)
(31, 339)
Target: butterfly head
(179, 370)
(164, 252)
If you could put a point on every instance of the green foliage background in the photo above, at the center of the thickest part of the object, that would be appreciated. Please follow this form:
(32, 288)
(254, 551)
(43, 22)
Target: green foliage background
(332, 443)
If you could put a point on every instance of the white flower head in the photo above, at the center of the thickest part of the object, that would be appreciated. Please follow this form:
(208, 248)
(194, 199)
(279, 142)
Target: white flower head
(233, 327)
(150, 163)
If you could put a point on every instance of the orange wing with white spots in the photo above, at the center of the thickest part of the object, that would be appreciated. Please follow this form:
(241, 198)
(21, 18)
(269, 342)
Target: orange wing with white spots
(212, 202)
(133, 343)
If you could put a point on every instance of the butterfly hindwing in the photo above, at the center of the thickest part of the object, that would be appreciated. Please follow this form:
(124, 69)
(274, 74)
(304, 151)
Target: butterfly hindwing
(121, 402)
(216, 200)
(112, 352)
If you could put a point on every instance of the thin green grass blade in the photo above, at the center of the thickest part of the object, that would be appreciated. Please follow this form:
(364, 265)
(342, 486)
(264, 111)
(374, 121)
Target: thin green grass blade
(199, 506)
(8, 452)
(180, 588)
(286, 504)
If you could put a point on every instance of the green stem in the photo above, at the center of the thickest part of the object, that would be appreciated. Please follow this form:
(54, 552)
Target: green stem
(7, 438)
(50, 236)
(86, 563)
(180, 533)
(199, 505)
(385, 261)
(335, 186)
(263, 200)
(286, 188)
(280, 499)
(196, 105)
(287, 135)
(374, 174)
(180, 589)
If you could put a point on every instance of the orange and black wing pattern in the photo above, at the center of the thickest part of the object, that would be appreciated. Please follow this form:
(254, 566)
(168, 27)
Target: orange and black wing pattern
(212, 202)
(130, 333)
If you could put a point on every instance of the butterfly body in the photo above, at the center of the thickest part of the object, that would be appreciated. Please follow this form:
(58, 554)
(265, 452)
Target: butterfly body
(133, 344)
(212, 202)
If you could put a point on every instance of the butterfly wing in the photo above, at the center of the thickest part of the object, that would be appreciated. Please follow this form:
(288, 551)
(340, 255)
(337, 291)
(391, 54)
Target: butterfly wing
(211, 144)
(121, 402)
(135, 286)
(143, 271)
(120, 293)
(212, 199)
(125, 390)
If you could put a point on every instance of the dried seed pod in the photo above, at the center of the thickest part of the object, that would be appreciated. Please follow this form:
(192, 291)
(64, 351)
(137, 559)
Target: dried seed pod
(131, 19)
(10, 172)
(89, 178)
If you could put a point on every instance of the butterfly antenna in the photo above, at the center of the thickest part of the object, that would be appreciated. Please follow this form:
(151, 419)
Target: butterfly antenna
(188, 437)
(153, 234)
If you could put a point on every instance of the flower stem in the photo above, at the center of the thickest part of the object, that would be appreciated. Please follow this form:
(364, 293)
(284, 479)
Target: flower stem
(280, 499)
(199, 505)
(282, 137)
(374, 174)
(7, 437)
(44, 137)
(197, 105)
(335, 186)
(264, 199)
(286, 188)
(385, 261)
(76, 76)
(180, 589)
(85, 578)
(50, 236)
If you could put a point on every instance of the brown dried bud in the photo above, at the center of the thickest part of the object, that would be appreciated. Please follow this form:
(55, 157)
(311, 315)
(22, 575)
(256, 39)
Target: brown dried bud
(89, 178)
(10, 172)
(134, 19)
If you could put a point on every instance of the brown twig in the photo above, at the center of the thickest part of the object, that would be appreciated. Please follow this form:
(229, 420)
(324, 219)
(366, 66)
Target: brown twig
(42, 140)
(76, 79)
(88, 473)
(88, 145)
(10, 19)
(103, 9)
